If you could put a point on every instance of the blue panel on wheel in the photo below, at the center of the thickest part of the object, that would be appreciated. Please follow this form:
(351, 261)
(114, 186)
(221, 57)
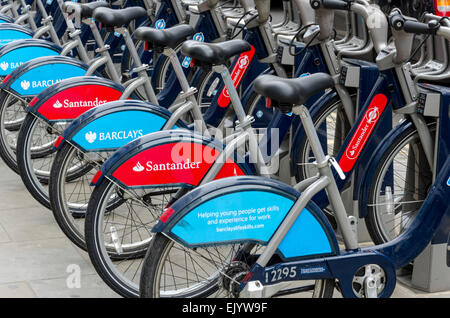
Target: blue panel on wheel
(7, 36)
(15, 58)
(306, 237)
(246, 215)
(37, 79)
(114, 130)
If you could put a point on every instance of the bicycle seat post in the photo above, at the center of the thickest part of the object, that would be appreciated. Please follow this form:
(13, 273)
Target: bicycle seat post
(188, 92)
(29, 17)
(47, 24)
(323, 166)
(140, 68)
(104, 50)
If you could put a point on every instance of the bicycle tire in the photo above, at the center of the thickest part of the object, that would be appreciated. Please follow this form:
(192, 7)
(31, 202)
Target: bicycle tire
(158, 253)
(69, 217)
(106, 259)
(374, 220)
(8, 131)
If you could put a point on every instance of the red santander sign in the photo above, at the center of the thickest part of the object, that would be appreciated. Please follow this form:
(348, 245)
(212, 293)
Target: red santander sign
(363, 132)
(72, 102)
(172, 163)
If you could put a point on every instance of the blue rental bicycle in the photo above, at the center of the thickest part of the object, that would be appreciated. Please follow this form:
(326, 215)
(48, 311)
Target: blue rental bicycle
(388, 188)
(144, 194)
(34, 158)
(255, 237)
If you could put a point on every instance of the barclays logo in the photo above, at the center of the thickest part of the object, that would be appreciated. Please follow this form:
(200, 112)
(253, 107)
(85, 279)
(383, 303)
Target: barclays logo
(13, 65)
(25, 84)
(90, 137)
(34, 84)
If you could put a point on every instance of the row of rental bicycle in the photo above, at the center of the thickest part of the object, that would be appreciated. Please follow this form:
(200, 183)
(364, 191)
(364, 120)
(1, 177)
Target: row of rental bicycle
(205, 148)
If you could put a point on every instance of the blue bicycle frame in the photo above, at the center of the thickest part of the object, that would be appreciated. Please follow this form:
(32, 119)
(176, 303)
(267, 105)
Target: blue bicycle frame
(309, 251)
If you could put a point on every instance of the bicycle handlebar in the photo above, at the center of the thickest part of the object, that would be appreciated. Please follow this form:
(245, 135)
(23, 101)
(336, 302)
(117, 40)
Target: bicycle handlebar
(331, 4)
(263, 7)
(399, 23)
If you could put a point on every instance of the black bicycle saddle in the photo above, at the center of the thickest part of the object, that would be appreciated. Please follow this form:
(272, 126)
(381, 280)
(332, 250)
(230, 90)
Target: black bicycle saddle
(170, 37)
(87, 9)
(118, 17)
(292, 91)
(214, 53)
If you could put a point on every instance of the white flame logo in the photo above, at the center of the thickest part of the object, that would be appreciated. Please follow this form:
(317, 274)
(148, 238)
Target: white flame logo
(90, 137)
(138, 167)
(57, 104)
(4, 65)
(25, 84)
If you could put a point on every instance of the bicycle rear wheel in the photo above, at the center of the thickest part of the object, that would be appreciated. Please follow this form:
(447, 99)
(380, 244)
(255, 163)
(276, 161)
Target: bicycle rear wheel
(69, 194)
(117, 237)
(172, 270)
(12, 115)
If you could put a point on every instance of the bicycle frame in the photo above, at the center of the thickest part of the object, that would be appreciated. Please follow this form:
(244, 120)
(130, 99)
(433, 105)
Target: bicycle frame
(321, 261)
(207, 29)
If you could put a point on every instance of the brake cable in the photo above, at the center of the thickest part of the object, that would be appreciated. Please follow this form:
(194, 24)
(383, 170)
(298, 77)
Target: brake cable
(233, 36)
(307, 44)
(423, 42)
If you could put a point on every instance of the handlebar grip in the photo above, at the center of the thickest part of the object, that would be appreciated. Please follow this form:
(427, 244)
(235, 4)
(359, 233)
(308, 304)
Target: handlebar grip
(330, 4)
(421, 28)
(397, 22)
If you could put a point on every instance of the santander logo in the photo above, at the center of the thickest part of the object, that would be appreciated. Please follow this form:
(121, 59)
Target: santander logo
(80, 103)
(370, 119)
(363, 132)
(71, 102)
(57, 104)
(172, 163)
(138, 167)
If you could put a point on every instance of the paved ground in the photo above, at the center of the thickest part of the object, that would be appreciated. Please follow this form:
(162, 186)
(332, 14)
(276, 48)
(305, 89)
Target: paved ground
(36, 260)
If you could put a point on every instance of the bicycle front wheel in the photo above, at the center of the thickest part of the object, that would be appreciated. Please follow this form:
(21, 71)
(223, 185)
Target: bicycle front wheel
(398, 187)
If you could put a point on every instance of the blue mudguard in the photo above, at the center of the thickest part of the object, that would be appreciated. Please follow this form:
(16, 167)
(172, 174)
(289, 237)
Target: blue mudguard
(11, 32)
(247, 209)
(32, 77)
(176, 157)
(6, 19)
(18, 52)
(114, 124)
